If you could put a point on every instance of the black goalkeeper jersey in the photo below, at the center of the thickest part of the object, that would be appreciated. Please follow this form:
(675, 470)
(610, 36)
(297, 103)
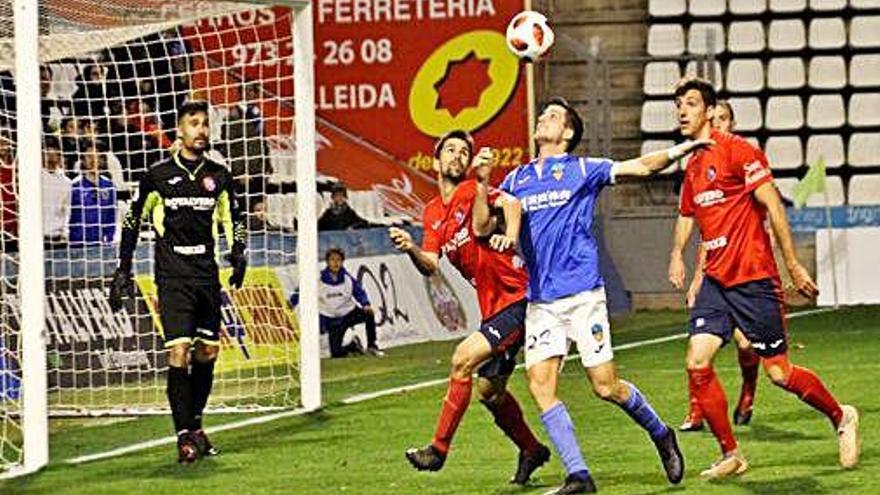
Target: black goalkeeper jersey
(188, 204)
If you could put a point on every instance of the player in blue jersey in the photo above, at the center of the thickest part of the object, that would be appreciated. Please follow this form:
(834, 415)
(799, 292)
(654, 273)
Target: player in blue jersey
(566, 295)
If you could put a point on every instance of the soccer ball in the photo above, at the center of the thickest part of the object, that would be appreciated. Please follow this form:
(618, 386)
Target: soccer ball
(529, 36)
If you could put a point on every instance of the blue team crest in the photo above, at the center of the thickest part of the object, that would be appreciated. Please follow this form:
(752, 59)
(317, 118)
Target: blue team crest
(557, 170)
(598, 332)
(711, 173)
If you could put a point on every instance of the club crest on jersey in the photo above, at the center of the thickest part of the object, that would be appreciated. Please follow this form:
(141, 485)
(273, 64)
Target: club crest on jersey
(557, 170)
(597, 332)
(209, 183)
(459, 216)
(711, 173)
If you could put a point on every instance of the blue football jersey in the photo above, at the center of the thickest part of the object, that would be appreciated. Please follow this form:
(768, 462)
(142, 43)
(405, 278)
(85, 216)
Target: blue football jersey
(556, 239)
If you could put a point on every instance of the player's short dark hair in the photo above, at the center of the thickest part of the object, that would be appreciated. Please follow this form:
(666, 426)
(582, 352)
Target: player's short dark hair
(332, 251)
(454, 134)
(707, 91)
(572, 120)
(191, 107)
(727, 106)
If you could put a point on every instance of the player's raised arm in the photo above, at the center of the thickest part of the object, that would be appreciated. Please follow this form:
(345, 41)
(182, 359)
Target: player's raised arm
(483, 223)
(426, 262)
(767, 195)
(147, 199)
(650, 164)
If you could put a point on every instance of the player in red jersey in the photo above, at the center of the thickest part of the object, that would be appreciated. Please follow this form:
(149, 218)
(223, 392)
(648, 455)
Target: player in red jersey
(749, 361)
(490, 263)
(728, 192)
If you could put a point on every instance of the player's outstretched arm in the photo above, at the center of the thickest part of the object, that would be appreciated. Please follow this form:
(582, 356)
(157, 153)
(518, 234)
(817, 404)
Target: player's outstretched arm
(140, 208)
(650, 164)
(768, 196)
(426, 263)
(684, 226)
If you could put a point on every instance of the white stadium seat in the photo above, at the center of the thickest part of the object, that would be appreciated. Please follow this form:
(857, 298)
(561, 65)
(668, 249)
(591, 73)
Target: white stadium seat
(862, 150)
(667, 8)
(747, 7)
(864, 32)
(784, 113)
(745, 75)
(827, 5)
(825, 112)
(827, 34)
(659, 116)
(786, 186)
(652, 145)
(833, 191)
(864, 4)
(864, 71)
(661, 78)
(746, 37)
(706, 37)
(827, 72)
(716, 76)
(864, 110)
(748, 113)
(864, 190)
(665, 40)
(753, 141)
(777, 6)
(787, 35)
(707, 8)
(829, 146)
(784, 152)
(786, 73)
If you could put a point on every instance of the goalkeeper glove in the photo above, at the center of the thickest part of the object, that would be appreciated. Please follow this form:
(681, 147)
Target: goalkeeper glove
(121, 285)
(238, 260)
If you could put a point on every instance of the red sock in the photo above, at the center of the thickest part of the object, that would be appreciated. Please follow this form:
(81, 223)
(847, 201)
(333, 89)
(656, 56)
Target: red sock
(509, 417)
(806, 385)
(713, 403)
(749, 361)
(695, 414)
(458, 396)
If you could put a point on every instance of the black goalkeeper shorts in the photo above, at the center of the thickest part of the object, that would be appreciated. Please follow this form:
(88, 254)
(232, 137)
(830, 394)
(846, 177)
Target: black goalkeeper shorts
(189, 311)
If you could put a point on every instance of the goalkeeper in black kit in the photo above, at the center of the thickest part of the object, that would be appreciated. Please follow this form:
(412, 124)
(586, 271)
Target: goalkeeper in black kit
(188, 199)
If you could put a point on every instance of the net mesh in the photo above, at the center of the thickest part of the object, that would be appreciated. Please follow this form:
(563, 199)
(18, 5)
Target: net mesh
(113, 73)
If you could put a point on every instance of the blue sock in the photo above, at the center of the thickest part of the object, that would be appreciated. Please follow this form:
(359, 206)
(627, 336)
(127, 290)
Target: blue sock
(640, 410)
(561, 430)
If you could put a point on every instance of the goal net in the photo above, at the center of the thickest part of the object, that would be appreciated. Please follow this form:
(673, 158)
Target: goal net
(112, 75)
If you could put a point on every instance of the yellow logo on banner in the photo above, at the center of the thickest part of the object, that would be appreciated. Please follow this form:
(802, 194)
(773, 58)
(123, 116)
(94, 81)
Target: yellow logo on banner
(463, 84)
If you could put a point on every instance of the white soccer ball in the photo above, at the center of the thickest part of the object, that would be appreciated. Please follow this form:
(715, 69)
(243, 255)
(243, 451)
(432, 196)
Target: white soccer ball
(529, 36)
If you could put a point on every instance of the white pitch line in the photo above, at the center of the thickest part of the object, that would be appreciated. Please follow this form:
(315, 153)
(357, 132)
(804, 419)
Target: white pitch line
(354, 399)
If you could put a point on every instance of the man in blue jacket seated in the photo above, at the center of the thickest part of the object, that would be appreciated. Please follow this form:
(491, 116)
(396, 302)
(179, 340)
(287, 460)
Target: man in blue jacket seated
(343, 304)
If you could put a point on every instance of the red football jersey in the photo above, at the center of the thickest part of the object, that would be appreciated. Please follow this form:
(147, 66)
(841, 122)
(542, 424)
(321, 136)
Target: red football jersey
(500, 278)
(717, 192)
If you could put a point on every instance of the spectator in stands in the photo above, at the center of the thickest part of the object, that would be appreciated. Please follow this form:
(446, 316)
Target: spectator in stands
(92, 202)
(141, 117)
(56, 195)
(53, 111)
(8, 193)
(246, 149)
(343, 304)
(92, 148)
(70, 136)
(90, 99)
(340, 216)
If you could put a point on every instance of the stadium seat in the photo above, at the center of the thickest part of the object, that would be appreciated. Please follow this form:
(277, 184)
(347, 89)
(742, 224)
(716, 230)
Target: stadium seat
(753, 141)
(707, 8)
(706, 37)
(834, 193)
(787, 35)
(748, 113)
(864, 190)
(784, 113)
(829, 146)
(864, 71)
(864, 110)
(786, 186)
(864, 4)
(827, 72)
(746, 37)
(747, 7)
(862, 149)
(717, 77)
(652, 145)
(864, 32)
(665, 40)
(784, 152)
(661, 77)
(827, 5)
(825, 112)
(667, 8)
(786, 73)
(827, 34)
(659, 116)
(745, 75)
(783, 6)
